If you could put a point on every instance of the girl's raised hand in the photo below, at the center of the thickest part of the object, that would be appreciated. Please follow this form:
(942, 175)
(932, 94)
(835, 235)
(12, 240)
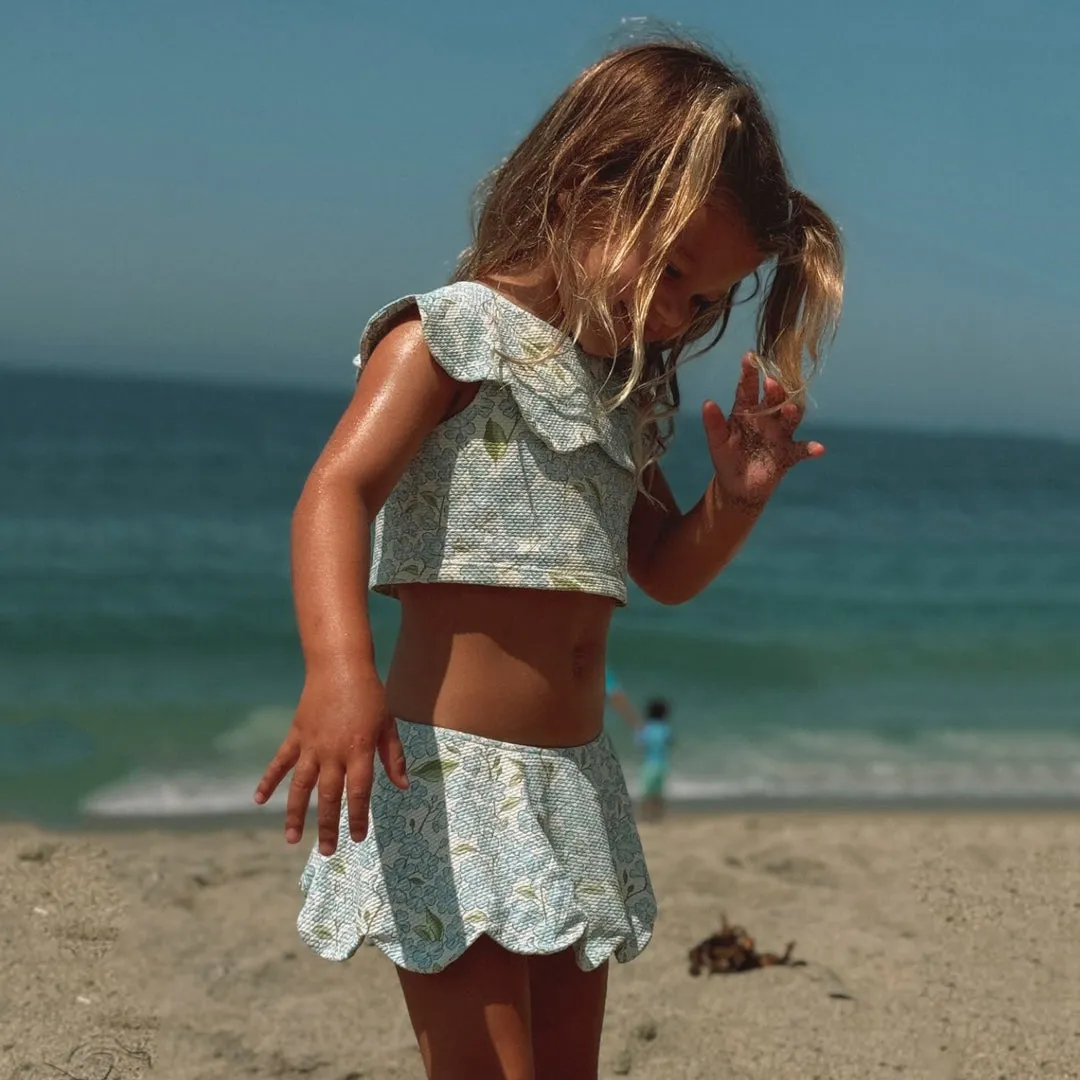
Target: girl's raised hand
(340, 722)
(751, 452)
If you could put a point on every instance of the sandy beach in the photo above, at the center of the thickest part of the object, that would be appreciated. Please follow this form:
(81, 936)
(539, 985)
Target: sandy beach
(938, 945)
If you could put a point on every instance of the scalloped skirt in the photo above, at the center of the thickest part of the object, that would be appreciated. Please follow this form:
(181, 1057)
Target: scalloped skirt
(534, 846)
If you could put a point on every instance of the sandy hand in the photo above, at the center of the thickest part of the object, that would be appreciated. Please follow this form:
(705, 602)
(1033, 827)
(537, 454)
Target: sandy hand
(752, 450)
(340, 722)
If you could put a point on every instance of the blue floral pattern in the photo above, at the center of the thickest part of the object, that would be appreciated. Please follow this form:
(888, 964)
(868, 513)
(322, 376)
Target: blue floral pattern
(531, 484)
(534, 846)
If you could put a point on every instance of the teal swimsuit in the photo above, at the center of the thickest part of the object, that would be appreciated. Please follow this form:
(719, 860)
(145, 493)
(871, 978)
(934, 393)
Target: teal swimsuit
(655, 742)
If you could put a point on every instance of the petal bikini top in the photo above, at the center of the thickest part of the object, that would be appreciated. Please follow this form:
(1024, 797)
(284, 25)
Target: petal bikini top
(532, 483)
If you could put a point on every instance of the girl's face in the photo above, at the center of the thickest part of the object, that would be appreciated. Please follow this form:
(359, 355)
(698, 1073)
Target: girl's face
(714, 253)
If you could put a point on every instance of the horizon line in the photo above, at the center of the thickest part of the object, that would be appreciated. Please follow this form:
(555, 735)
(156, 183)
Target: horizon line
(318, 388)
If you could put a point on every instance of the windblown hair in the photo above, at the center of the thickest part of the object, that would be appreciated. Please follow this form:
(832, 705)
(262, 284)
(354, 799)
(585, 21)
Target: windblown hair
(624, 157)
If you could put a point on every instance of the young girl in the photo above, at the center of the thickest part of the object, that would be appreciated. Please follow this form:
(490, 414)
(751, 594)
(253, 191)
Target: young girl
(503, 441)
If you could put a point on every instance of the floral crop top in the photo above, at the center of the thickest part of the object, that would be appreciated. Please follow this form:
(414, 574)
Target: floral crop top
(532, 483)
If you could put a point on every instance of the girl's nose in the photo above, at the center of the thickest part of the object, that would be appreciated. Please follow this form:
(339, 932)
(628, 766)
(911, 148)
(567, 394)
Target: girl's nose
(666, 320)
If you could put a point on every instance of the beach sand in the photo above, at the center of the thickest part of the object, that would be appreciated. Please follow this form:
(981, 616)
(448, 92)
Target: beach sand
(939, 945)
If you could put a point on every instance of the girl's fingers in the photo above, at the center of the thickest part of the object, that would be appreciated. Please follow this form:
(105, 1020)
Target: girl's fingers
(790, 416)
(305, 776)
(392, 755)
(331, 782)
(277, 770)
(747, 391)
(774, 393)
(803, 450)
(358, 793)
(717, 430)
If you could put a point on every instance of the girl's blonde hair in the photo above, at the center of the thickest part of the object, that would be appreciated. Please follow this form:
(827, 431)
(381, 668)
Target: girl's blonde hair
(624, 157)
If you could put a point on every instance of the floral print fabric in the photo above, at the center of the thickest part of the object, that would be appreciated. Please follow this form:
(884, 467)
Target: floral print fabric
(531, 484)
(534, 846)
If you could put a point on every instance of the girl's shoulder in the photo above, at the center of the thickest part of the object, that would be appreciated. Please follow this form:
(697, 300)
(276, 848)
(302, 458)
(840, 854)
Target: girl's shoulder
(465, 317)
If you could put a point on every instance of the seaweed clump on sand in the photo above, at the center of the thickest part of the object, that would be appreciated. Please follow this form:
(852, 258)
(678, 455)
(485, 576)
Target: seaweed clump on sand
(732, 950)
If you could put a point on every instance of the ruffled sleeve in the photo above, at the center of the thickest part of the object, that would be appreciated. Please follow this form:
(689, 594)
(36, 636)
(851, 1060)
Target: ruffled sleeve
(450, 330)
(477, 335)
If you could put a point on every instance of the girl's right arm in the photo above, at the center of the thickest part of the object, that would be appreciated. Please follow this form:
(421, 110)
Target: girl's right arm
(342, 717)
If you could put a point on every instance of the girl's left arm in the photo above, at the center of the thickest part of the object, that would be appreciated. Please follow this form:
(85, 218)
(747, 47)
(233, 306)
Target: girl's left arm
(672, 555)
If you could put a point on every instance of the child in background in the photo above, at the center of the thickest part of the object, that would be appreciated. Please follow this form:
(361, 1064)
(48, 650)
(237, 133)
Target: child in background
(504, 441)
(655, 740)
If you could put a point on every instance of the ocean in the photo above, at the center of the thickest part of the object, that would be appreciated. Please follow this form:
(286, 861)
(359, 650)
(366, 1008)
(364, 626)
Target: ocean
(903, 626)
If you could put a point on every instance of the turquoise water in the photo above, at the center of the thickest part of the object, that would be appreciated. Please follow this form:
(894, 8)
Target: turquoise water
(904, 624)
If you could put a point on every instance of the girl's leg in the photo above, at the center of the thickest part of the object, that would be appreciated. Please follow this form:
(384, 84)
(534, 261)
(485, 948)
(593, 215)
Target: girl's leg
(472, 1019)
(567, 1016)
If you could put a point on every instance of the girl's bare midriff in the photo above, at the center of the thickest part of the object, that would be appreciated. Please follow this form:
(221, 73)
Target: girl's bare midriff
(522, 665)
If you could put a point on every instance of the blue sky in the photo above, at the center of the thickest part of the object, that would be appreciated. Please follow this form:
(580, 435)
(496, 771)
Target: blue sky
(232, 188)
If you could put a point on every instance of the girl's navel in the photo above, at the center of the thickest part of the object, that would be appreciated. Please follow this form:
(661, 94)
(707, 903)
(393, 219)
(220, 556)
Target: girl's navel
(585, 656)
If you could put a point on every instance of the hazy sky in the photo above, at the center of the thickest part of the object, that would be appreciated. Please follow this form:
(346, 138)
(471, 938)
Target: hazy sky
(234, 187)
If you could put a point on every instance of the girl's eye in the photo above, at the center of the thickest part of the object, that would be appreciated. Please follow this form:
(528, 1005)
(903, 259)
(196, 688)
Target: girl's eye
(672, 272)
